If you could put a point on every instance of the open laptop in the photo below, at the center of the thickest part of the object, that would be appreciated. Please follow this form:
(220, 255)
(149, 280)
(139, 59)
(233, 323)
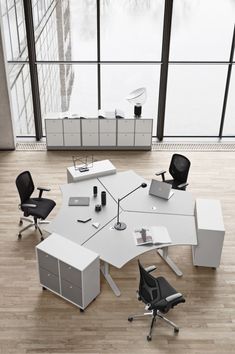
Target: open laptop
(160, 189)
(79, 201)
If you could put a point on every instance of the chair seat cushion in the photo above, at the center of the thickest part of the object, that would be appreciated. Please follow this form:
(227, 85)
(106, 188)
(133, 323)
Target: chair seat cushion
(43, 209)
(166, 290)
(175, 184)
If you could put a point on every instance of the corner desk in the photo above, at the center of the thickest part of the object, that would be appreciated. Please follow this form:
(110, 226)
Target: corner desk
(115, 247)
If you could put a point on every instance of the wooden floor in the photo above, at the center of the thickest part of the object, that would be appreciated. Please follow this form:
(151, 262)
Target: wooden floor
(32, 321)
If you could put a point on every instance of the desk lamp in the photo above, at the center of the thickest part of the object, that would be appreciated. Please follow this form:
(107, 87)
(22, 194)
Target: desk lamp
(137, 98)
(121, 225)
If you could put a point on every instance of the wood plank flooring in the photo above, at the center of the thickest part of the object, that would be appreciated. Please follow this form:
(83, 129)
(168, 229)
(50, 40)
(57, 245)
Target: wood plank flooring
(33, 321)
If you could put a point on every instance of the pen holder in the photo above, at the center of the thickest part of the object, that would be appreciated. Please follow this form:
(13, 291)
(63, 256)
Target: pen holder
(95, 191)
(103, 198)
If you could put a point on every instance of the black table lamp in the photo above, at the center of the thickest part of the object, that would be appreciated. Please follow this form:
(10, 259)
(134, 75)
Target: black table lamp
(121, 225)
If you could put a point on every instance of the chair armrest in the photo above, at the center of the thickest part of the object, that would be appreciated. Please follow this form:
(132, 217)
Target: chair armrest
(173, 297)
(28, 205)
(182, 185)
(41, 190)
(161, 173)
(150, 268)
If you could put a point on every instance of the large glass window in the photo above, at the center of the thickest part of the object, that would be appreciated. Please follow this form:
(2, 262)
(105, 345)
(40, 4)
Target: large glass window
(194, 100)
(82, 66)
(68, 89)
(131, 30)
(202, 30)
(21, 97)
(115, 89)
(229, 123)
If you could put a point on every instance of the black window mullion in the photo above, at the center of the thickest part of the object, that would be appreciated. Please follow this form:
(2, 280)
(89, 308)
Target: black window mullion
(230, 66)
(164, 68)
(33, 68)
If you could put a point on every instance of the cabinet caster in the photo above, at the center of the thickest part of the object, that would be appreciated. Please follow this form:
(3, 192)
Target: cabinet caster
(81, 310)
(20, 223)
(43, 288)
(130, 319)
(176, 330)
(149, 338)
(19, 236)
(42, 238)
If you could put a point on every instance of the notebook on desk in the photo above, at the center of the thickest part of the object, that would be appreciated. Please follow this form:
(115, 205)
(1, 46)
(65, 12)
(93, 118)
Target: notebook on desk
(79, 201)
(154, 235)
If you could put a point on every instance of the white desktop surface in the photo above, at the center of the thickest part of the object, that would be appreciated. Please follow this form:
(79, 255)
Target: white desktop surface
(118, 247)
(65, 223)
(118, 185)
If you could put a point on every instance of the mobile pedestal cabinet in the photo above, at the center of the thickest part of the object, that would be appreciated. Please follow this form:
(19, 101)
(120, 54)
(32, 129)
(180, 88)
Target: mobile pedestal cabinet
(69, 270)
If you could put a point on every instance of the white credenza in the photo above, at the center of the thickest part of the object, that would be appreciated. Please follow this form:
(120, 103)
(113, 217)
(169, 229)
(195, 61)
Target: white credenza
(113, 134)
(210, 233)
(69, 270)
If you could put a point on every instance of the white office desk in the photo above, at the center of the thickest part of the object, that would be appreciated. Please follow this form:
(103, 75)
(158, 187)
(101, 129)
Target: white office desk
(65, 223)
(118, 247)
(118, 185)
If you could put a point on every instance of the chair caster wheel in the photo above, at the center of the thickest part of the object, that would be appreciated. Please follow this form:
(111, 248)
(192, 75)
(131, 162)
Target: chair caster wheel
(20, 223)
(176, 330)
(130, 319)
(149, 338)
(42, 238)
(19, 236)
(81, 310)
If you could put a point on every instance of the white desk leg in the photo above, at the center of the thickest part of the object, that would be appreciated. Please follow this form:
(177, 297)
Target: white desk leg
(163, 252)
(105, 270)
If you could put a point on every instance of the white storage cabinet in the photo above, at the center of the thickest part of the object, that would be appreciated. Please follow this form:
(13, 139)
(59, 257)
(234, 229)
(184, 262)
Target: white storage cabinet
(69, 270)
(210, 233)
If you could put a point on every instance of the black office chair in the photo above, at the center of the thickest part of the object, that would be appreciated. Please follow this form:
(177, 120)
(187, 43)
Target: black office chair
(159, 297)
(38, 208)
(179, 169)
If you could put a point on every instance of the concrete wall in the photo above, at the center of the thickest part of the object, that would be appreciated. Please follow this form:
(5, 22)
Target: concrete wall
(7, 137)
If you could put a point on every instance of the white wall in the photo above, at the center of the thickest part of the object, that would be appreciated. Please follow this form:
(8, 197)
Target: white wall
(7, 139)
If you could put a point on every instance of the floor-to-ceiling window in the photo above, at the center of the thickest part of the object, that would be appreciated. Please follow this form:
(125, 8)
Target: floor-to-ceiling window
(90, 55)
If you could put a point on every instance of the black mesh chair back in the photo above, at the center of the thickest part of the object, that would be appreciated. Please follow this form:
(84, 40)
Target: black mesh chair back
(148, 287)
(25, 186)
(179, 168)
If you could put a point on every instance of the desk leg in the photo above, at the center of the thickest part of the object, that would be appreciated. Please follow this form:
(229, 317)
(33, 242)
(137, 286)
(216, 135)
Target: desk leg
(105, 270)
(163, 252)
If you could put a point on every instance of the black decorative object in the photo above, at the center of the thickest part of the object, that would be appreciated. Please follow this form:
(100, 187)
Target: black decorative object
(103, 198)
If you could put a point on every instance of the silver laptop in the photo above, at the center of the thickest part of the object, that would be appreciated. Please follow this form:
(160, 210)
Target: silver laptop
(79, 201)
(160, 189)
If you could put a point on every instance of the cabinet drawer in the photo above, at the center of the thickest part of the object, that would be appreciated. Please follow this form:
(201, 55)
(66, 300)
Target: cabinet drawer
(71, 292)
(54, 125)
(90, 125)
(70, 274)
(71, 125)
(107, 125)
(55, 139)
(71, 139)
(90, 139)
(126, 125)
(108, 139)
(49, 280)
(143, 125)
(143, 139)
(125, 139)
(47, 262)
